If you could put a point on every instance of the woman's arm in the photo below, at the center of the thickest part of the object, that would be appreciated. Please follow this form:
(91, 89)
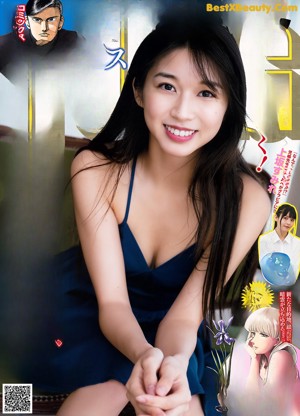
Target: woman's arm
(99, 236)
(100, 240)
(254, 381)
(177, 332)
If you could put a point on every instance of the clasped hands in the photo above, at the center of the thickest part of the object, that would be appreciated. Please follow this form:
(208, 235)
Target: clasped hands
(158, 385)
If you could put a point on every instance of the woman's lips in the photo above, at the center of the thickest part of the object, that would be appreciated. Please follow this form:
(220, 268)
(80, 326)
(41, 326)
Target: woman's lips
(179, 134)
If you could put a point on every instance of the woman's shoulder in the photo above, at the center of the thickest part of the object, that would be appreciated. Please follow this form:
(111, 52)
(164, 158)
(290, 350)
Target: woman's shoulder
(286, 348)
(282, 366)
(283, 355)
(99, 179)
(95, 174)
(296, 240)
(87, 160)
(255, 195)
(253, 185)
(280, 362)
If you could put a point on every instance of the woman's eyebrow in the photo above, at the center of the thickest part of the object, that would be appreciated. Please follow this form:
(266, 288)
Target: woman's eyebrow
(212, 84)
(209, 83)
(165, 75)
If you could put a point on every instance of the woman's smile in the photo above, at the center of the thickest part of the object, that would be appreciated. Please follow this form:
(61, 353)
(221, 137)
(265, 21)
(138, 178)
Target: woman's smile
(179, 134)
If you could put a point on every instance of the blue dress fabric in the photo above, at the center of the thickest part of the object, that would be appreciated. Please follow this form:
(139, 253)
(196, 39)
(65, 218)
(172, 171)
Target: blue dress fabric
(86, 357)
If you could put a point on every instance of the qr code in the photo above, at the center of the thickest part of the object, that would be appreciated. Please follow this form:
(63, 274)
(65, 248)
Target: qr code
(17, 398)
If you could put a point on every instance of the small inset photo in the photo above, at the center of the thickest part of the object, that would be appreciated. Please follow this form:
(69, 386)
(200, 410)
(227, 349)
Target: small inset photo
(279, 248)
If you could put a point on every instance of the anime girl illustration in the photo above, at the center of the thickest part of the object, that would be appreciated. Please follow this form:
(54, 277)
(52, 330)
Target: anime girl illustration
(270, 378)
(279, 249)
(273, 362)
(273, 369)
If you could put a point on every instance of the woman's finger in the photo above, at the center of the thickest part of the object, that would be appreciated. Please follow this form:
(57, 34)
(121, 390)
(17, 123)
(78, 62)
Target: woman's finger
(172, 378)
(172, 401)
(135, 384)
(150, 365)
(143, 381)
(168, 375)
(142, 409)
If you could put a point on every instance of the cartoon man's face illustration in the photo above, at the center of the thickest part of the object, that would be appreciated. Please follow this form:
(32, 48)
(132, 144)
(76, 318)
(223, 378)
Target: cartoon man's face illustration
(45, 25)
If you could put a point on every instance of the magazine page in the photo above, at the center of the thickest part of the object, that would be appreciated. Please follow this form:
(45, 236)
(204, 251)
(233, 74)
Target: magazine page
(265, 358)
(63, 66)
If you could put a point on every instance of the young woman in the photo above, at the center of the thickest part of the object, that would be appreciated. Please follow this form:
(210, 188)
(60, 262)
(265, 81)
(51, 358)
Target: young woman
(273, 371)
(154, 194)
(281, 239)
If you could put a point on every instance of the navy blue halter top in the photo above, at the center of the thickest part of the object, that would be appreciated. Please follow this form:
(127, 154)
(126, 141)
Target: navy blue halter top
(151, 290)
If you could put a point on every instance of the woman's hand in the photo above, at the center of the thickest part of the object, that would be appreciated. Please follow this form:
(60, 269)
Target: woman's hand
(143, 381)
(172, 393)
(167, 394)
(250, 350)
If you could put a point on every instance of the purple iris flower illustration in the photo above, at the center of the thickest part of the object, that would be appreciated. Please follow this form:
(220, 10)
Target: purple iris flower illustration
(222, 334)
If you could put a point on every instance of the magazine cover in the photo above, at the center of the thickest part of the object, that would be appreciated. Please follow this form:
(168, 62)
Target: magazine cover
(63, 68)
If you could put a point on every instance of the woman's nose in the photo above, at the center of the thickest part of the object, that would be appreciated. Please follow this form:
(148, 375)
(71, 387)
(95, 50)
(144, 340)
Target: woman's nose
(182, 108)
(252, 340)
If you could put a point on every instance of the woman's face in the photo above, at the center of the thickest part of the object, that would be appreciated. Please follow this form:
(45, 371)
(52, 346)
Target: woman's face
(261, 343)
(284, 223)
(181, 111)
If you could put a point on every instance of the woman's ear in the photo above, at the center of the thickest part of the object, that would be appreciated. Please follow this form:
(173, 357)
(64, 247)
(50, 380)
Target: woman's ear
(137, 95)
(27, 23)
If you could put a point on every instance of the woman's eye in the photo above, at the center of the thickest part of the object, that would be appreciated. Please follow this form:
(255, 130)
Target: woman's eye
(206, 94)
(167, 87)
(289, 218)
(264, 335)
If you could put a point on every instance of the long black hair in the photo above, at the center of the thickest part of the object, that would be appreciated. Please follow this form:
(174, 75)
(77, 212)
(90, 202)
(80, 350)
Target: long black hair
(216, 187)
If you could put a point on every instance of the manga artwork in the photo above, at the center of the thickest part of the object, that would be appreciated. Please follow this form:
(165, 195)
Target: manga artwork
(61, 72)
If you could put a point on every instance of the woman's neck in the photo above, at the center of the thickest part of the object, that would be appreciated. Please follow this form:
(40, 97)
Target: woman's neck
(280, 234)
(267, 355)
(168, 170)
